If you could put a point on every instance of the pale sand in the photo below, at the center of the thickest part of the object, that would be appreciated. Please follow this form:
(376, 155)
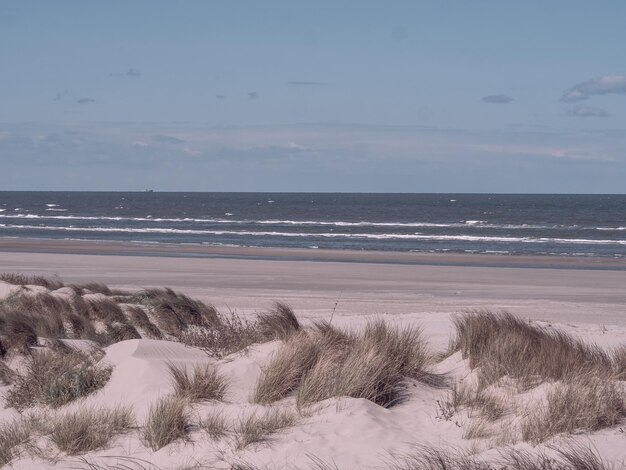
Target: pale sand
(586, 301)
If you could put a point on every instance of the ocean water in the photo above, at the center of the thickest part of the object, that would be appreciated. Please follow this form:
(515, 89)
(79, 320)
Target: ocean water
(566, 225)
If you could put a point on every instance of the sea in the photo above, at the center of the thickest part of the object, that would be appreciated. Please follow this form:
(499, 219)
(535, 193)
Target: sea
(499, 224)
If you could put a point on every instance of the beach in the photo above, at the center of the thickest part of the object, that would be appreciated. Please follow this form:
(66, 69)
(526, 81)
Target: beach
(584, 297)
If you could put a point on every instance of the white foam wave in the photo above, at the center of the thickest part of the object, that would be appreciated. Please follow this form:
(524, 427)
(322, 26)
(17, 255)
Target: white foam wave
(466, 224)
(374, 236)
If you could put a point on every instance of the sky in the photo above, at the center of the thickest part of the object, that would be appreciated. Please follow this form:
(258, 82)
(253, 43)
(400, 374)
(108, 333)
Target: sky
(386, 96)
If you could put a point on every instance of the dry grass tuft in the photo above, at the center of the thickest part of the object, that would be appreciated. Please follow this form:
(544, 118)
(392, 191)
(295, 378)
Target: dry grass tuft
(279, 323)
(619, 363)
(501, 344)
(7, 376)
(140, 319)
(89, 429)
(215, 425)
(287, 368)
(176, 312)
(373, 365)
(55, 379)
(167, 422)
(488, 406)
(258, 428)
(569, 458)
(326, 362)
(203, 383)
(24, 280)
(12, 436)
(106, 310)
(587, 404)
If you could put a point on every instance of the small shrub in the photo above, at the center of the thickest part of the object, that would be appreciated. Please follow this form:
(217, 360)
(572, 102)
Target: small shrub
(167, 421)
(587, 404)
(214, 424)
(89, 429)
(279, 323)
(258, 428)
(230, 335)
(55, 379)
(204, 383)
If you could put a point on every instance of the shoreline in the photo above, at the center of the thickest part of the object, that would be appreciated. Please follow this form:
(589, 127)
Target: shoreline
(140, 249)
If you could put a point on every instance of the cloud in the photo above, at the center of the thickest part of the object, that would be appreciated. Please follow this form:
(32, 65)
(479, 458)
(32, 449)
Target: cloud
(609, 84)
(253, 95)
(587, 111)
(133, 73)
(85, 100)
(304, 83)
(496, 99)
(167, 139)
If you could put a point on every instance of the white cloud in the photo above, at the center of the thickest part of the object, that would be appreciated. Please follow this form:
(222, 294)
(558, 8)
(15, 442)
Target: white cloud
(609, 84)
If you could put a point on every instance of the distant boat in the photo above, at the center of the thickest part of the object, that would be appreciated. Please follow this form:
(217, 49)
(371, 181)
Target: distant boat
(149, 190)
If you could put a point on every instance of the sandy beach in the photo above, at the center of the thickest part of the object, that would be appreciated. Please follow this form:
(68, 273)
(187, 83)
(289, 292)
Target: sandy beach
(568, 289)
(583, 297)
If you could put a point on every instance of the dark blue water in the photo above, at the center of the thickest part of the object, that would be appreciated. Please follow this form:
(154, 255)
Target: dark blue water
(568, 225)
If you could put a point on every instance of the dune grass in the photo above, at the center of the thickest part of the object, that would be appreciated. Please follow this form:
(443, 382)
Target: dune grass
(283, 374)
(204, 382)
(260, 427)
(571, 457)
(167, 422)
(279, 323)
(35, 280)
(324, 362)
(214, 424)
(89, 429)
(12, 435)
(581, 404)
(501, 344)
(56, 378)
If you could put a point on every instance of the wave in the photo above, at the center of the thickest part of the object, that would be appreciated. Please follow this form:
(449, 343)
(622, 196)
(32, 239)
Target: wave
(478, 224)
(374, 236)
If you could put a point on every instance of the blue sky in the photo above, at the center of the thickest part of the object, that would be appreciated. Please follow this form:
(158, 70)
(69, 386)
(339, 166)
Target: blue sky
(483, 96)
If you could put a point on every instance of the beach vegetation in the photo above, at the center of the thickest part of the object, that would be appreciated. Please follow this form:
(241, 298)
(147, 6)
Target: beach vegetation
(214, 424)
(500, 344)
(259, 427)
(53, 378)
(322, 362)
(203, 382)
(89, 429)
(582, 404)
(278, 323)
(167, 421)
